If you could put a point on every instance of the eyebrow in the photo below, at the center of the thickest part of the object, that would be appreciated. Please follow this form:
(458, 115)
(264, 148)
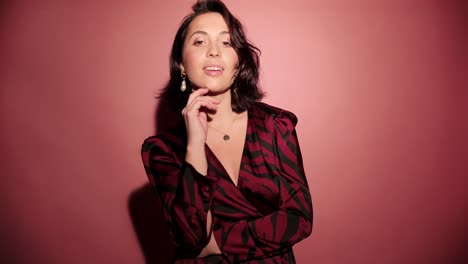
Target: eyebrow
(205, 33)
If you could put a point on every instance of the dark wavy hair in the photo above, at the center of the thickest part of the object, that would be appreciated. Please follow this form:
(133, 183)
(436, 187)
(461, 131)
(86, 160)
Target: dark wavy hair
(244, 90)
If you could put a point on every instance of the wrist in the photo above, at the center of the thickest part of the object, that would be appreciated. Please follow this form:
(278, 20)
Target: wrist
(196, 149)
(196, 157)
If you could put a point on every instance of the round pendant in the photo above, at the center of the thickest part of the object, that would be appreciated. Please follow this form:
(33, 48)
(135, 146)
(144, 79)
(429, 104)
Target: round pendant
(226, 137)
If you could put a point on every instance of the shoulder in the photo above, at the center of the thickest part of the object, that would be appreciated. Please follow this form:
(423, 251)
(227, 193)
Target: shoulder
(274, 115)
(172, 141)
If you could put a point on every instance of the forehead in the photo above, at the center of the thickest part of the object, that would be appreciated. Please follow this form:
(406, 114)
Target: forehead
(209, 22)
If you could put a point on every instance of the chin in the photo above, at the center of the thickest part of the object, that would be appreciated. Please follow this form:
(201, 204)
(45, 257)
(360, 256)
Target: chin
(217, 88)
(214, 86)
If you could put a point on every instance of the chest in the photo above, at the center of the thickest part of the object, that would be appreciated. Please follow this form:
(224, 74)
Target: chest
(249, 181)
(228, 147)
(229, 153)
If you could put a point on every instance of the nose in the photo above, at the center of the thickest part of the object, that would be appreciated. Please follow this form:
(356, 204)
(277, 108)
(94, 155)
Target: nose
(213, 51)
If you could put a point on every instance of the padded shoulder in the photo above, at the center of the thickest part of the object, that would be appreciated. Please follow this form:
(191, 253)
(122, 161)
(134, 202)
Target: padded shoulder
(266, 112)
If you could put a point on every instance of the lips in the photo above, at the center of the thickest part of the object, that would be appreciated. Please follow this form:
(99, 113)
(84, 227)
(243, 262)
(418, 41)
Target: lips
(213, 68)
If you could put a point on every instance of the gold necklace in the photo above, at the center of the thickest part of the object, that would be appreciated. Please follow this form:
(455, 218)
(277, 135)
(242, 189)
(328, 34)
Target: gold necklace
(226, 136)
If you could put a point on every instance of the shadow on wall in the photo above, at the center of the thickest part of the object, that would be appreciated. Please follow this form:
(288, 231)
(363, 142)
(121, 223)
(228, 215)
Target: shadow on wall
(145, 206)
(461, 255)
(5, 7)
(149, 225)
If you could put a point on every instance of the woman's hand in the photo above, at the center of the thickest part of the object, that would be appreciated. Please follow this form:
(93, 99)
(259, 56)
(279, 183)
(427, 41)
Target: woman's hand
(196, 123)
(195, 116)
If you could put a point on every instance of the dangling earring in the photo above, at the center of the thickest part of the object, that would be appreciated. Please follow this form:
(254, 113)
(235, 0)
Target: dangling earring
(183, 85)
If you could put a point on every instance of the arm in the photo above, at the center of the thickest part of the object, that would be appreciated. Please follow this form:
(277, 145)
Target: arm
(185, 194)
(184, 184)
(292, 222)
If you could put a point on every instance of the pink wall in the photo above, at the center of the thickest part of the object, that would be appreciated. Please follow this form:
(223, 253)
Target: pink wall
(379, 88)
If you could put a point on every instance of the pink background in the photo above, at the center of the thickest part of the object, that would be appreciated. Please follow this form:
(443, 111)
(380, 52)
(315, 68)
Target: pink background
(379, 87)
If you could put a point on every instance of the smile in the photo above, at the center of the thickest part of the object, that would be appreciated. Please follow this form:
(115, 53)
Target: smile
(213, 68)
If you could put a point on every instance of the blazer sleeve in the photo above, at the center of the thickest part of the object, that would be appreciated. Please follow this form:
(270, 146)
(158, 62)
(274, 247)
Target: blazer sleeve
(292, 222)
(185, 194)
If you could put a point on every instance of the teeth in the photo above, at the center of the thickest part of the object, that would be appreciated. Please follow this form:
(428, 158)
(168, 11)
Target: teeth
(213, 68)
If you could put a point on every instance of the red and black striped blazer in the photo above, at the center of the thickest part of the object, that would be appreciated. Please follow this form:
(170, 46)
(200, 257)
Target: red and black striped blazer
(257, 221)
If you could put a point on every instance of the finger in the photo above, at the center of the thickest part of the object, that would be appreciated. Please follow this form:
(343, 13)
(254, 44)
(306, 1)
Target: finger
(194, 107)
(197, 93)
(202, 99)
(209, 100)
(200, 103)
(201, 94)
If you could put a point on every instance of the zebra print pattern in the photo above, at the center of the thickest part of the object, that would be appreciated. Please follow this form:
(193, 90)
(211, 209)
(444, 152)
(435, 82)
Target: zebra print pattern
(257, 221)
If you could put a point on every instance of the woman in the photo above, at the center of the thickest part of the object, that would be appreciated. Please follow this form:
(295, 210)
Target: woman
(230, 175)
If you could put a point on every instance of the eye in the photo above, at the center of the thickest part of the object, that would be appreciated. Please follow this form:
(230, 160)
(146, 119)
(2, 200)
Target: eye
(198, 42)
(227, 43)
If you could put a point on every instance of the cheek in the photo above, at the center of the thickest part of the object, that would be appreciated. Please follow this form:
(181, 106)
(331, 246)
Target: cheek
(190, 60)
(233, 60)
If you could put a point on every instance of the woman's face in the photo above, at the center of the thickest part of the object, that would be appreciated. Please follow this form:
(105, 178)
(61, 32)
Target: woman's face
(207, 56)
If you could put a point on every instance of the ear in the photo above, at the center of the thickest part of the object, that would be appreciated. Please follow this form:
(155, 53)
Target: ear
(181, 67)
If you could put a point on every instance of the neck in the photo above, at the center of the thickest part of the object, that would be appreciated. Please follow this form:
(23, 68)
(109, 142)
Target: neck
(224, 111)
